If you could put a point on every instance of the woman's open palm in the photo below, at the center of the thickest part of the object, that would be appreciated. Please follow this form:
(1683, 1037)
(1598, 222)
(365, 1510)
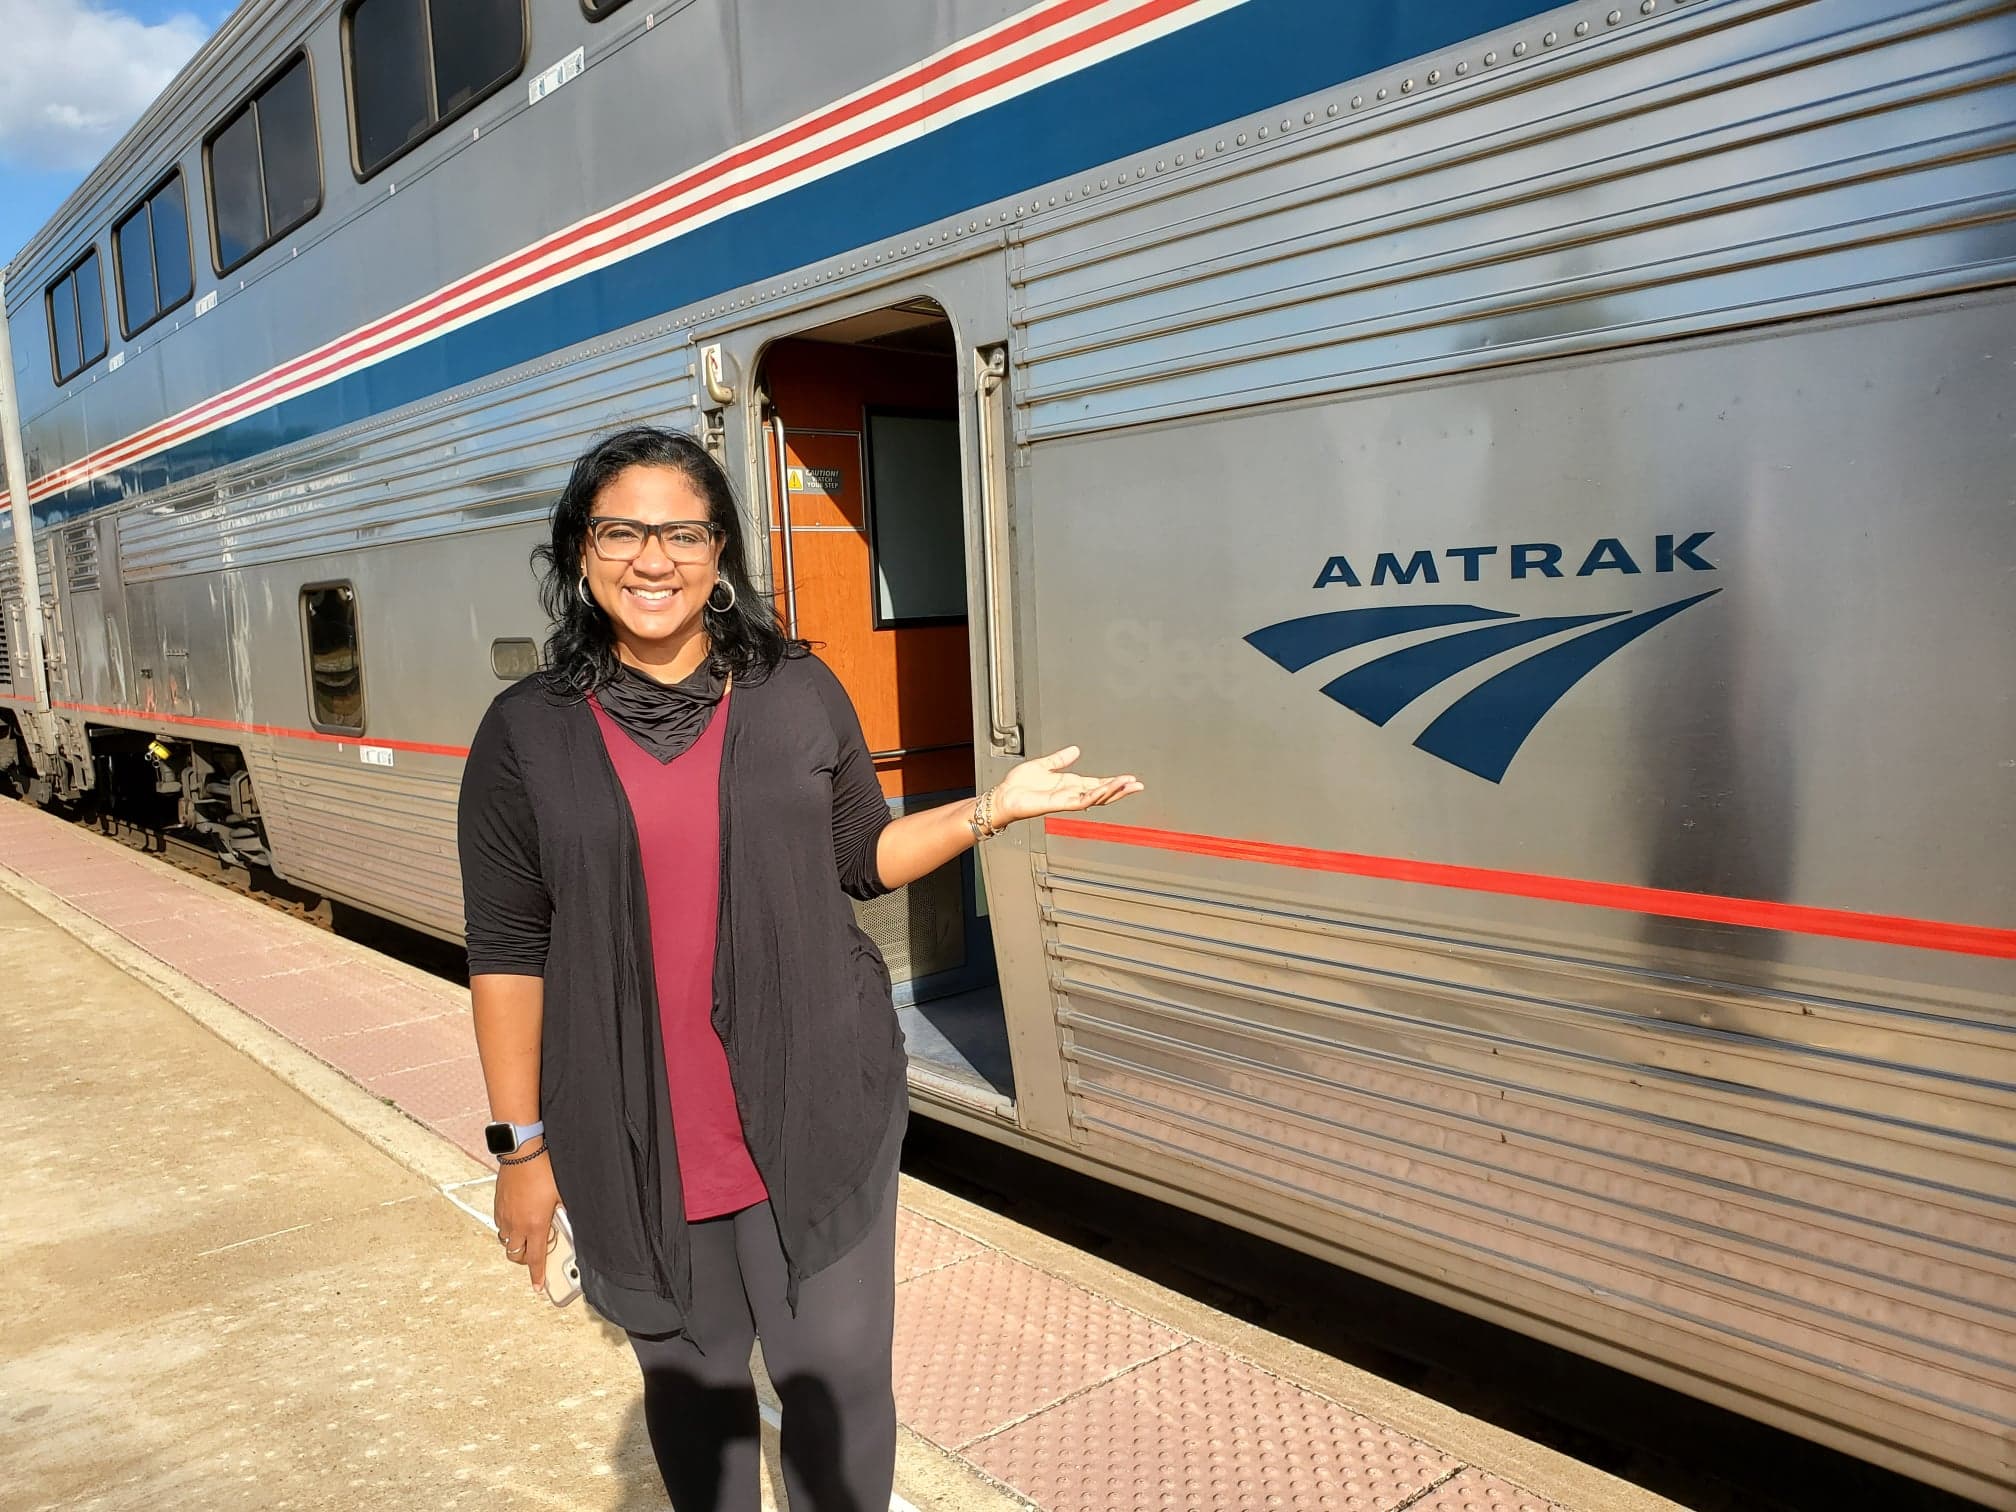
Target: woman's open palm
(1048, 786)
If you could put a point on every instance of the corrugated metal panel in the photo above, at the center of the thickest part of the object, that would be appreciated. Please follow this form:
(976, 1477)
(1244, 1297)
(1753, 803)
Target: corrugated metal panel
(364, 832)
(80, 559)
(492, 454)
(1732, 164)
(1732, 1182)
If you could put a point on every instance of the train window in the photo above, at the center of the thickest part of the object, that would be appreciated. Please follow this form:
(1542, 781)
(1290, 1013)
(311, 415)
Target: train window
(90, 308)
(77, 317)
(388, 78)
(237, 191)
(63, 327)
(289, 149)
(133, 266)
(916, 521)
(174, 271)
(150, 257)
(597, 9)
(335, 659)
(476, 48)
(264, 167)
(415, 65)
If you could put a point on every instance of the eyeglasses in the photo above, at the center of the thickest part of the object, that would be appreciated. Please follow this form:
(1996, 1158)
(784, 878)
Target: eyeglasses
(685, 541)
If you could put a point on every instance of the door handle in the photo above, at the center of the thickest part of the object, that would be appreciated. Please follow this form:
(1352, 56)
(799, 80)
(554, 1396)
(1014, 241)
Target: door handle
(997, 553)
(774, 433)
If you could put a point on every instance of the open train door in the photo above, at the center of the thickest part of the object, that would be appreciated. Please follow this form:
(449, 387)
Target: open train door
(876, 455)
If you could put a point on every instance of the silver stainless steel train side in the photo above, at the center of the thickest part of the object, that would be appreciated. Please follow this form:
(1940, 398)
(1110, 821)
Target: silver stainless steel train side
(1530, 490)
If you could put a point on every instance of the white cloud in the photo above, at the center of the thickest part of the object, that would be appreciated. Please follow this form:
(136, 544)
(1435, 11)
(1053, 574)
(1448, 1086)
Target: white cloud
(73, 76)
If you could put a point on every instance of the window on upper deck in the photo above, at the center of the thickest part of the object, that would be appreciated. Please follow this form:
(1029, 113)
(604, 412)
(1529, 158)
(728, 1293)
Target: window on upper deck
(264, 167)
(150, 254)
(77, 317)
(415, 65)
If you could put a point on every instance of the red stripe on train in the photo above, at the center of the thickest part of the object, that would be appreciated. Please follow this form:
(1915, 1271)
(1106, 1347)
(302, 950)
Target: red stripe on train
(1709, 908)
(191, 721)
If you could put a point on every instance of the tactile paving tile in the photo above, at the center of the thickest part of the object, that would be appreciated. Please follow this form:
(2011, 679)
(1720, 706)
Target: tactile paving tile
(1198, 1429)
(369, 1010)
(434, 1094)
(1474, 1491)
(923, 1245)
(380, 1052)
(983, 1342)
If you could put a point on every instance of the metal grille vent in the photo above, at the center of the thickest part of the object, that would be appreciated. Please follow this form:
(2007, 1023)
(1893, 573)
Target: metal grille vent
(920, 929)
(80, 559)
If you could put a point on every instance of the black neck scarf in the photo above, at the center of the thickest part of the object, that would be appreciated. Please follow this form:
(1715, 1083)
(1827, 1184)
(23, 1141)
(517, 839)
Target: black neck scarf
(664, 718)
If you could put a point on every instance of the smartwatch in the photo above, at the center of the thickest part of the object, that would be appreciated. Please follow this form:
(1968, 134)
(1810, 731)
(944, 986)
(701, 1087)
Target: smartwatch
(506, 1138)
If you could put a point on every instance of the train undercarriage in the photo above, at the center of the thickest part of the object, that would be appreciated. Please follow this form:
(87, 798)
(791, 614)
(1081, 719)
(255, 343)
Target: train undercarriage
(194, 792)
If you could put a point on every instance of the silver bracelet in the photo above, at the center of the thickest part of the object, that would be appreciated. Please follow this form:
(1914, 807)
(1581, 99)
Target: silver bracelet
(982, 823)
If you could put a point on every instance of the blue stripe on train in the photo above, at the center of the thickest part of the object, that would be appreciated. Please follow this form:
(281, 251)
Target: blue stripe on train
(1242, 61)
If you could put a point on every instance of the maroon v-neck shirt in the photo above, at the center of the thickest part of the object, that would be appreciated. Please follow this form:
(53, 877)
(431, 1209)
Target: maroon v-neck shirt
(677, 809)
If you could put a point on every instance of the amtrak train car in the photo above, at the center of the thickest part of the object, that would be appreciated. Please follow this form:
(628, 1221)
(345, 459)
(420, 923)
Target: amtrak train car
(1529, 489)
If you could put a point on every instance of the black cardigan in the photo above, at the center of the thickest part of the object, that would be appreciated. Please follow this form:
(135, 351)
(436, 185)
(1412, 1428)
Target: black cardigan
(553, 886)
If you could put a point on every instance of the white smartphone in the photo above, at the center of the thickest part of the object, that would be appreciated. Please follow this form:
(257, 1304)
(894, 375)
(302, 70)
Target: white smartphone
(563, 1271)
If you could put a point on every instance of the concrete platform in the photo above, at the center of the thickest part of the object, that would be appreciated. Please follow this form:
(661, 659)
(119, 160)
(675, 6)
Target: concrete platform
(220, 1297)
(257, 1272)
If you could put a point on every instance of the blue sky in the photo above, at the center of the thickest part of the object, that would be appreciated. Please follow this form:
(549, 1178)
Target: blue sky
(74, 74)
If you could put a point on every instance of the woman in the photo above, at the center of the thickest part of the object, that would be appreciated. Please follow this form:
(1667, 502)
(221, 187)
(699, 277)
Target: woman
(684, 1035)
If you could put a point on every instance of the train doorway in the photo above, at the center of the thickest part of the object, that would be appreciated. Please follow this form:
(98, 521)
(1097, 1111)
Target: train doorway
(867, 520)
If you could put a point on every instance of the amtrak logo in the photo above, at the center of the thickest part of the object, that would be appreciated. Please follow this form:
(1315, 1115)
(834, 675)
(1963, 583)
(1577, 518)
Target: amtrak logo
(1482, 730)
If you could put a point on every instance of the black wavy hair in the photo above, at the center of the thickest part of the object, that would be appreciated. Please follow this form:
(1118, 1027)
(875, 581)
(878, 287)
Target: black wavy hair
(746, 641)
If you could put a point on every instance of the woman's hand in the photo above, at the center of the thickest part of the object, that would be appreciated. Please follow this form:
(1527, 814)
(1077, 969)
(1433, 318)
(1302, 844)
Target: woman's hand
(1047, 786)
(917, 844)
(526, 1197)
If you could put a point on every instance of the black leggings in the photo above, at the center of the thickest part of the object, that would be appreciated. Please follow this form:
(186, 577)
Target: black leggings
(831, 1364)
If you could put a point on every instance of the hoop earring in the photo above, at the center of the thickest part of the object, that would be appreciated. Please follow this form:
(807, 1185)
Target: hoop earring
(581, 591)
(721, 582)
